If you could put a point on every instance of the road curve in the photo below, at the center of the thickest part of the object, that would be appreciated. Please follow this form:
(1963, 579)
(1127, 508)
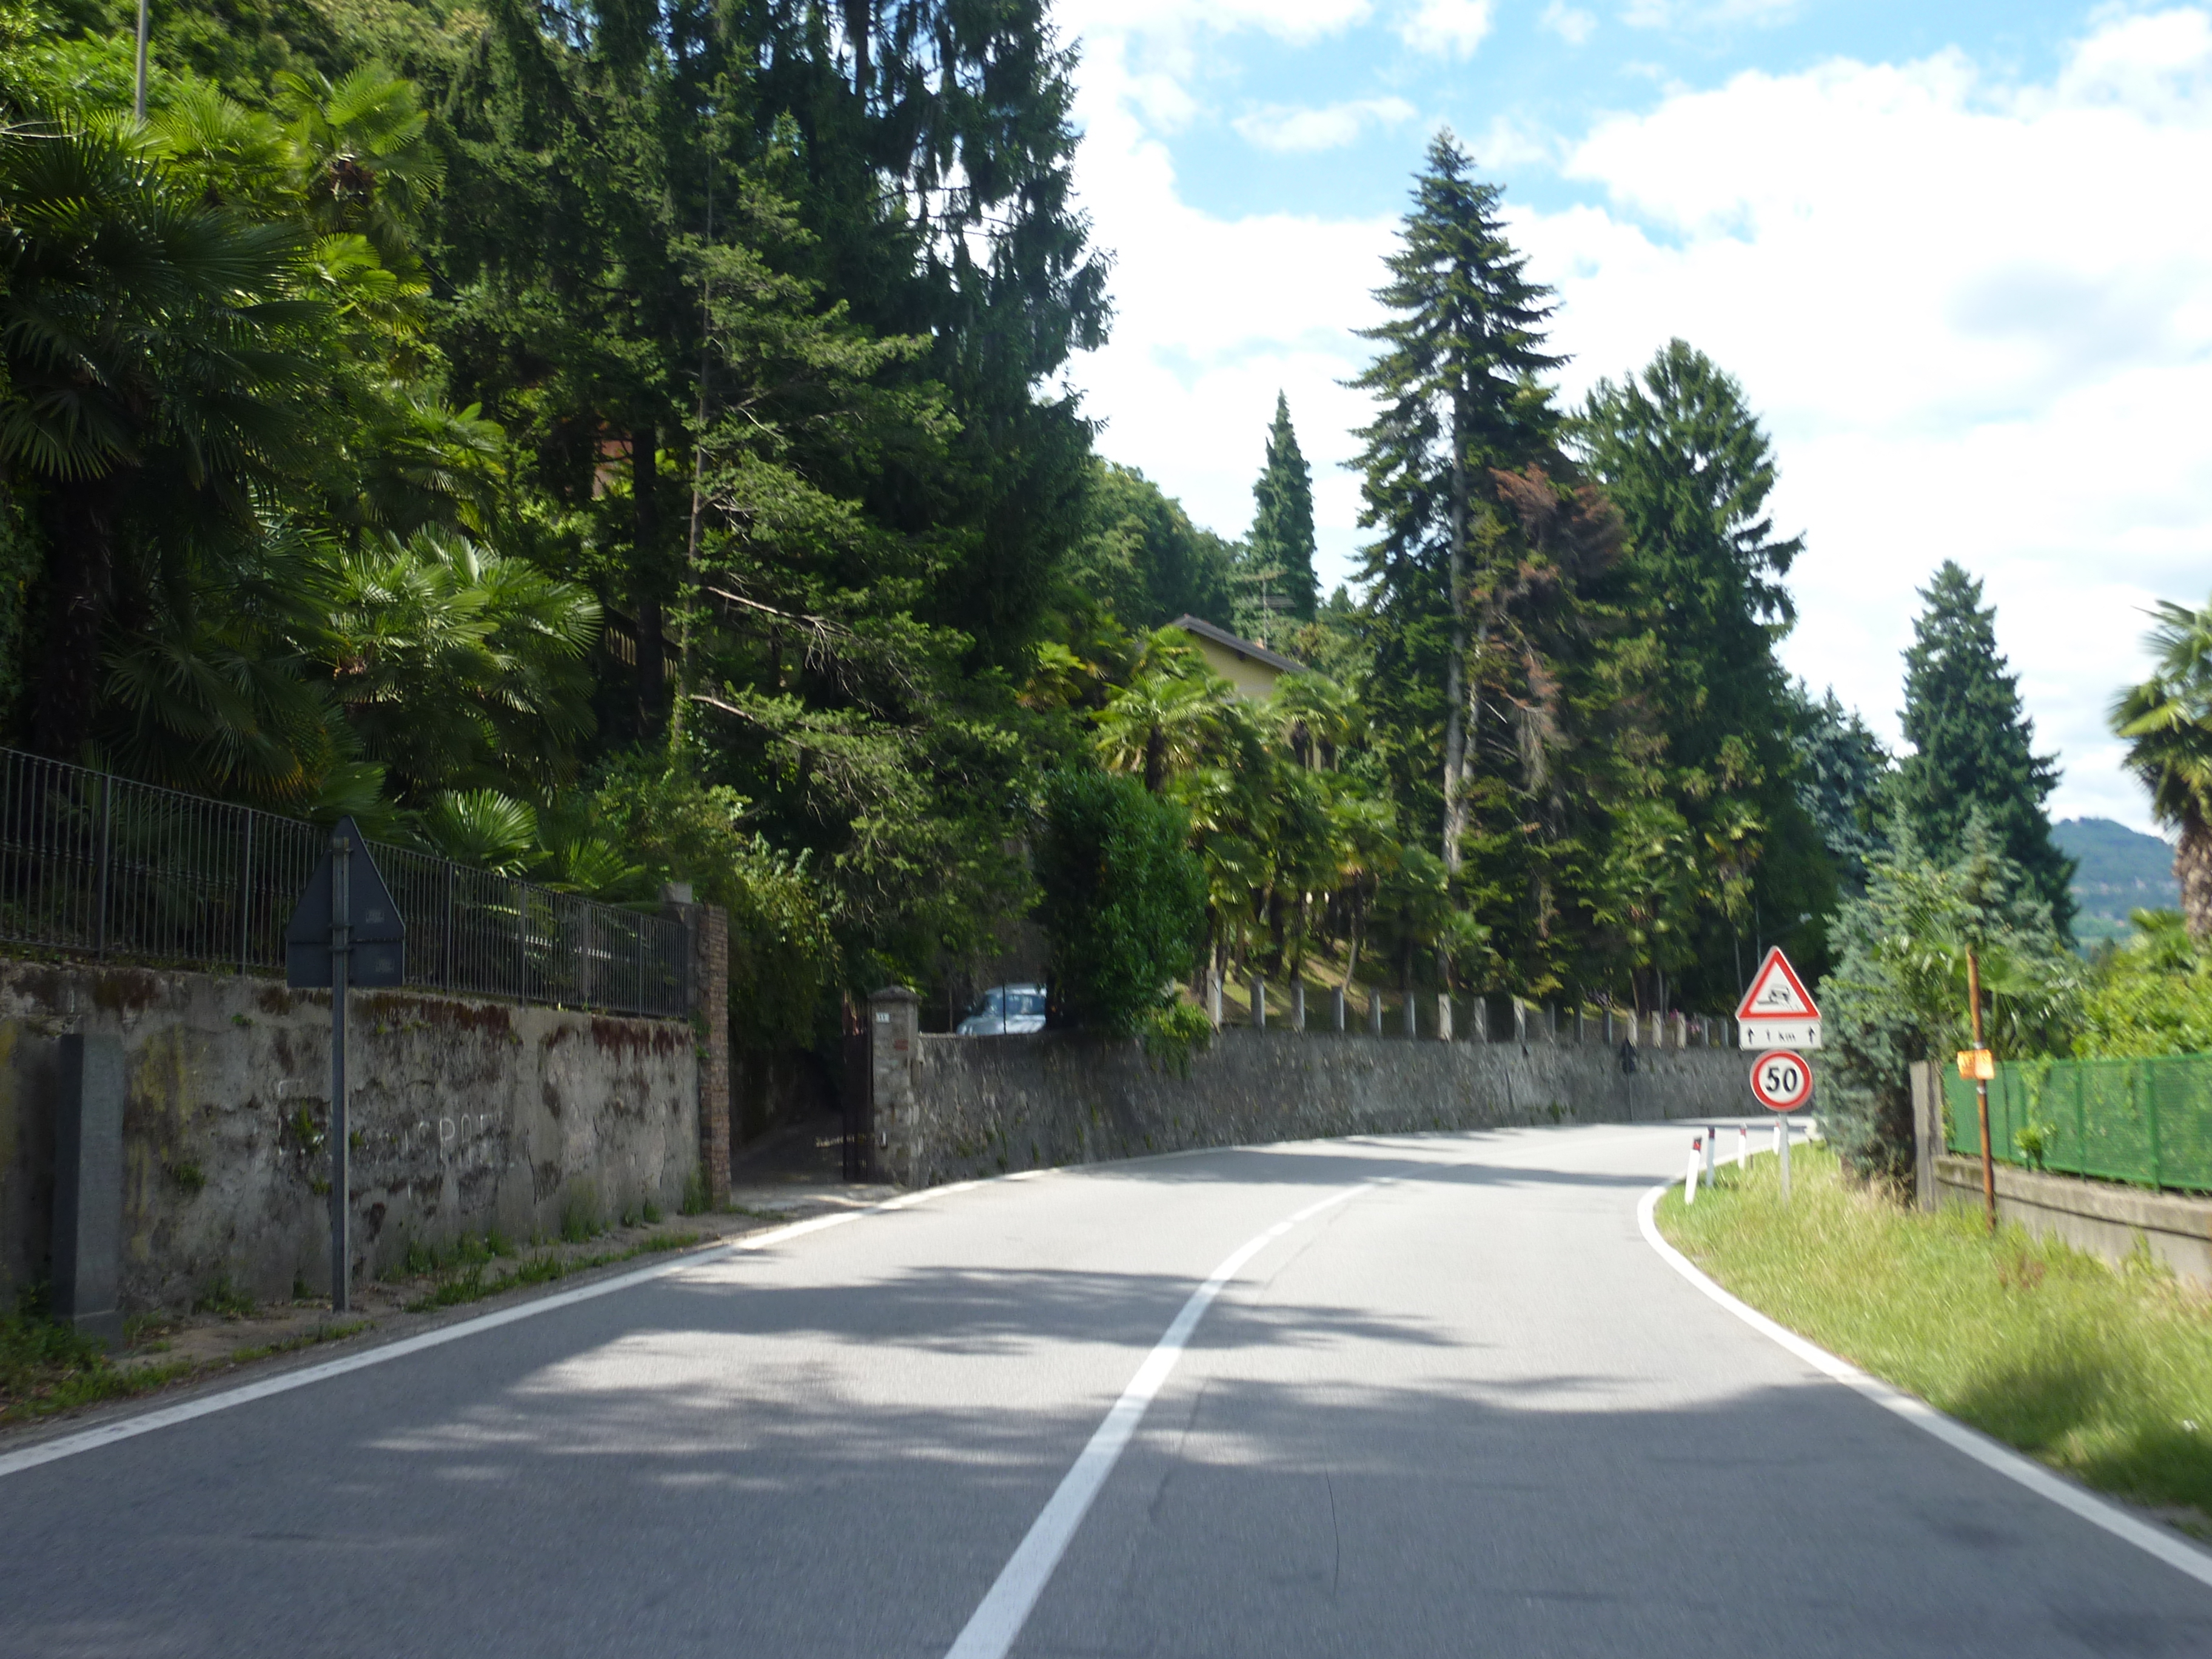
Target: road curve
(1466, 1410)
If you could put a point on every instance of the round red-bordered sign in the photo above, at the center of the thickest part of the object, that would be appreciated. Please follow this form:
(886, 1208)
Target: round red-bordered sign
(1782, 1080)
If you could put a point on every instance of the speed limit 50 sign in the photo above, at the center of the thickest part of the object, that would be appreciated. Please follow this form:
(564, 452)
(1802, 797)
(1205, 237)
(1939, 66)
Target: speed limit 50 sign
(1782, 1081)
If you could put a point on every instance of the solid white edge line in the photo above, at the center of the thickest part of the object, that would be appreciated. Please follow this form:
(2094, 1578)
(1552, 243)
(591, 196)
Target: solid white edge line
(162, 1417)
(991, 1629)
(2174, 1550)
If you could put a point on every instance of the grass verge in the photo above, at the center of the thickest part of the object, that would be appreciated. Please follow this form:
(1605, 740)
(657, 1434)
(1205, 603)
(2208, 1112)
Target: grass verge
(478, 1273)
(47, 1367)
(2103, 1373)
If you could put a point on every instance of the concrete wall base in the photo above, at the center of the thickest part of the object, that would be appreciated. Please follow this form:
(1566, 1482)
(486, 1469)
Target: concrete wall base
(2099, 1216)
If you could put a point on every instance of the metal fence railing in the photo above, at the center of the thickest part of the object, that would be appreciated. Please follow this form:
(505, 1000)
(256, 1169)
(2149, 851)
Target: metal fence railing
(102, 866)
(2146, 1120)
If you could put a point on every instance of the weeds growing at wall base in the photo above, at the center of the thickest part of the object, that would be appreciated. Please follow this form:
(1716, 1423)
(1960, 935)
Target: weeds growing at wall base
(2103, 1372)
(472, 1278)
(46, 1366)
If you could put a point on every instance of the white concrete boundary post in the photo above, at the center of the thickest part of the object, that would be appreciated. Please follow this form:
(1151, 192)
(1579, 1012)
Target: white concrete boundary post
(1712, 1134)
(1298, 1005)
(1336, 1008)
(1742, 1148)
(1444, 1016)
(1690, 1175)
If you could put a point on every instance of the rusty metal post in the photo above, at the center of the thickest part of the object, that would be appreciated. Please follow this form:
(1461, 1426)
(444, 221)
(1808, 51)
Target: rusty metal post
(1982, 1091)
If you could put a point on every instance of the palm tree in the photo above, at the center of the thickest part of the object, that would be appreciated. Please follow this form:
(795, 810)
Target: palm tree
(459, 666)
(365, 161)
(1161, 724)
(2167, 722)
(145, 335)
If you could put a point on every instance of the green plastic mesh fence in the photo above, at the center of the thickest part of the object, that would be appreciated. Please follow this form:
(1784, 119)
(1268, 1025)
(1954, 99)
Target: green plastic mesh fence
(2148, 1121)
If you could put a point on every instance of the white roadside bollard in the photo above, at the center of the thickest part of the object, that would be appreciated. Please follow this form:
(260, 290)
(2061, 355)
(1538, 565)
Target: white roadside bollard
(1742, 1148)
(1690, 1177)
(1712, 1137)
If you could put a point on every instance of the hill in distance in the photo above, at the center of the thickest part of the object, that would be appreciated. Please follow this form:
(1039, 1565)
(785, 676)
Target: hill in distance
(2119, 870)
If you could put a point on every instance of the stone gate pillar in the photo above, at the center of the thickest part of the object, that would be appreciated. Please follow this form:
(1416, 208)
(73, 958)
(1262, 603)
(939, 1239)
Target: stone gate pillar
(894, 1025)
(706, 927)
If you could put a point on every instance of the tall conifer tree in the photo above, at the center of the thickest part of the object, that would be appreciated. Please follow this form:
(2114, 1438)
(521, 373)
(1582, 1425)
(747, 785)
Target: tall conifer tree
(1282, 522)
(1974, 745)
(1456, 381)
(1686, 462)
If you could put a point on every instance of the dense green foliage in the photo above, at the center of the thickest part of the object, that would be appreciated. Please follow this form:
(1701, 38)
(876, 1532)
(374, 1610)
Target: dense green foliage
(1973, 748)
(1121, 897)
(621, 444)
(1898, 992)
(2148, 994)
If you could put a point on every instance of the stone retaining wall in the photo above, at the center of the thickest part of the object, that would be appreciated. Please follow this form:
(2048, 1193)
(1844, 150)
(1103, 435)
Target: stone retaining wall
(983, 1105)
(467, 1113)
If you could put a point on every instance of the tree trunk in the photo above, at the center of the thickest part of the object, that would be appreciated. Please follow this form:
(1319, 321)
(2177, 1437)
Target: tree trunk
(644, 535)
(2192, 867)
(81, 574)
(1454, 823)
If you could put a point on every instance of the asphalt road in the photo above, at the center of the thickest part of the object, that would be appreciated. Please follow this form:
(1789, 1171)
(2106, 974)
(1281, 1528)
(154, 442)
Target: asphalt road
(1466, 1410)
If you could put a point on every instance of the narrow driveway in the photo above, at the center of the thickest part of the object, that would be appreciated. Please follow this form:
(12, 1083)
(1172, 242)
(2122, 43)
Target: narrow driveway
(1466, 1410)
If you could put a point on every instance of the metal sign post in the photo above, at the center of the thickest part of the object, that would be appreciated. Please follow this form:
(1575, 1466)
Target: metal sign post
(324, 944)
(1782, 1081)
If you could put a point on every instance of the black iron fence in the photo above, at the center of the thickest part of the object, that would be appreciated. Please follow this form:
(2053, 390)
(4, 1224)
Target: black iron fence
(105, 868)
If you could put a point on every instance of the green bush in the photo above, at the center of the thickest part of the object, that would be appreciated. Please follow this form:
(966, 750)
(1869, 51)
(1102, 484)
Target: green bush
(1123, 899)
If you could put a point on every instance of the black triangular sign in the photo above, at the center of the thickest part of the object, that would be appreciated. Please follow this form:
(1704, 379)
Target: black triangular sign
(380, 935)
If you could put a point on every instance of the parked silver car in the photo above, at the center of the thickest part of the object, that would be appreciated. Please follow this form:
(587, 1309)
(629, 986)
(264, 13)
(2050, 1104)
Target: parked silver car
(1006, 1011)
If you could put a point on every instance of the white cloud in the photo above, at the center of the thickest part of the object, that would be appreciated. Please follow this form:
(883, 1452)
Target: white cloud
(1288, 128)
(1979, 330)
(1571, 24)
(1703, 14)
(1977, 318)
(1457, 27)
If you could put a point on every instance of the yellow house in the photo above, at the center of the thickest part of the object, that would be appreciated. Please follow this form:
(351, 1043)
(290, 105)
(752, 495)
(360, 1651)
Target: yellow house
(1245, 664)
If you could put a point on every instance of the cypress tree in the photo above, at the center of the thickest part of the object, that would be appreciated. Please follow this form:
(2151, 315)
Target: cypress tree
(1282, 522)
(1974, 746)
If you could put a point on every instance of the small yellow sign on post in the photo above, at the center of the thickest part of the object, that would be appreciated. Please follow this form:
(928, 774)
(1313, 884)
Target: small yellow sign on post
(1977, 1064)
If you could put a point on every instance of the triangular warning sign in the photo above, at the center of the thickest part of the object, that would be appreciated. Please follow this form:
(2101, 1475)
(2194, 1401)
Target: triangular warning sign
(1777, 992)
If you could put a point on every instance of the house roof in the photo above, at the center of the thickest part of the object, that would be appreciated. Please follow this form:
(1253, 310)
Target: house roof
(1252, 648)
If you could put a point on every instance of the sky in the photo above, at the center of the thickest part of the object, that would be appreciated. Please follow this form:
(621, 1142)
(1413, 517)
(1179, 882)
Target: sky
(1958, 255)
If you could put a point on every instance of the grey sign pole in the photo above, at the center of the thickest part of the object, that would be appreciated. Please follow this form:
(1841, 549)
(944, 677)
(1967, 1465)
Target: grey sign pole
(341, 959)
(345, 932)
